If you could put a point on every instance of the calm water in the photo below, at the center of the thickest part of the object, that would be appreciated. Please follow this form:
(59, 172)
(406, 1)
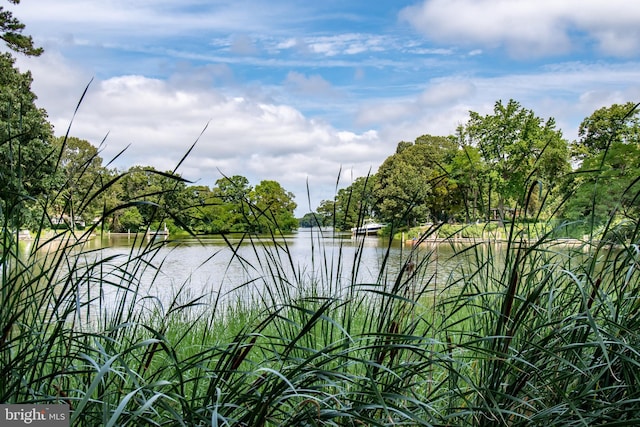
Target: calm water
(214, 268)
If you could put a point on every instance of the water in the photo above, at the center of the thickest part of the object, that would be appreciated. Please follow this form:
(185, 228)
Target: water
(213, 264)
(216, 270)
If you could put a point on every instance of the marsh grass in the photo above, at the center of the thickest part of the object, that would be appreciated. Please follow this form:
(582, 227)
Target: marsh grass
(529, 332)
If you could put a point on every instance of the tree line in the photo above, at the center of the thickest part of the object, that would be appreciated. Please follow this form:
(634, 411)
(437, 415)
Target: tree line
(80, 191)
(145, 197)
(506, 164)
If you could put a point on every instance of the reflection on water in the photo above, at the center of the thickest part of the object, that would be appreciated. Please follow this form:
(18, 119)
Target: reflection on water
(249, 268)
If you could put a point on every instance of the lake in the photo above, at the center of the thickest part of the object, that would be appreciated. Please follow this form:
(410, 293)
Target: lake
(307, 262)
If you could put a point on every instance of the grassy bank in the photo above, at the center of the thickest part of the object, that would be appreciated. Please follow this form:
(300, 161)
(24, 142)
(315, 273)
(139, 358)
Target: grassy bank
(494, 230)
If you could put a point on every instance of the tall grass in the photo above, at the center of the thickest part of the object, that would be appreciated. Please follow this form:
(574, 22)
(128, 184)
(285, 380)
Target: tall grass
(529, 332)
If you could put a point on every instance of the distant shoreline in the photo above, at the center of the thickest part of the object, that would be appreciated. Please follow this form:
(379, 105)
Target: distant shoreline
(476, 240)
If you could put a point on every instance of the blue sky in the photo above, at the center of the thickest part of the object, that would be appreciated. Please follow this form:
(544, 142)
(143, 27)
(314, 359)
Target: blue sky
(300, 91)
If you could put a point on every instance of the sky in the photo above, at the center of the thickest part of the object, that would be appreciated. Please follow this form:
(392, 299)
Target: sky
(314, 94)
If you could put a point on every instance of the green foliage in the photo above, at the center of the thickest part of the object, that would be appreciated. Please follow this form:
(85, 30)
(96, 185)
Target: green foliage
(532, 331)
(519, 149)
(504, 156)
(80, 173)
(131, 219)
(234, 192)
(469, 175)
(436, 155)
(272, 207)
(605, 184)
(233, 206)
(205, 213)
(11, 33)
(617, 124)
(350, 203)
(402, 192)
(155, 196)
(326, 212)
(27, 159)
(414, 184)
(309, 220)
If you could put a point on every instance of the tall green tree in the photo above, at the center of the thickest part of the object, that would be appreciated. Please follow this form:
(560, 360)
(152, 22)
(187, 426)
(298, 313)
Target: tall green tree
(325, 213)
(414, 184)
(130, 220)
(203, 214)
(618, 123)
(309, 220)
(81, 179)
(273, 207)
(27, 157)
(26, 164)
(468, 171)
(351, 204)
(401, 191)
(161, 197)
(234, 212)
(139, 184)
(605, 184)
(435, 155)
(519, 148)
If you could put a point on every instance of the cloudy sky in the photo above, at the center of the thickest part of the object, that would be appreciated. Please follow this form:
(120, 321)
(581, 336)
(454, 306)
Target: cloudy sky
(301, 91)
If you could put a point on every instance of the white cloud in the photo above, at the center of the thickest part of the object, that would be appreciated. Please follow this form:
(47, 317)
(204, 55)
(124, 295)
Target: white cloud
(57, 83)
(530, 27)
(288, 43)
(346, 44)
(439, 95)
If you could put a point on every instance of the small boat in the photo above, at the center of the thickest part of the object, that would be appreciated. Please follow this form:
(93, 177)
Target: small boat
(369, 227)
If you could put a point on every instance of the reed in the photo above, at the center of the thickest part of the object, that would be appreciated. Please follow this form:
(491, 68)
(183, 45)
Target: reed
(527, 332)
